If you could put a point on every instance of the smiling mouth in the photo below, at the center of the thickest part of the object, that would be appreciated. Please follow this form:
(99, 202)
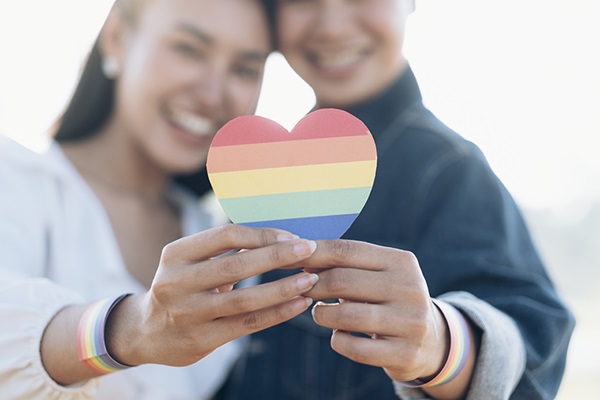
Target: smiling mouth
(192, 123)
(338, 60)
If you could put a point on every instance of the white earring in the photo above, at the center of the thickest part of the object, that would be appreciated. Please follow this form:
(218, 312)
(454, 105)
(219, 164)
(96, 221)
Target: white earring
(110, 67)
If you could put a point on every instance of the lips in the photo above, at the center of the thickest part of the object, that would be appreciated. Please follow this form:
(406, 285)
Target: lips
(193, 124)
(338, 60)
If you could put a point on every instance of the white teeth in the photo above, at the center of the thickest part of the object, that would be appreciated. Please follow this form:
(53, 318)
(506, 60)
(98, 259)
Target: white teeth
(338, 60)
(194, 124)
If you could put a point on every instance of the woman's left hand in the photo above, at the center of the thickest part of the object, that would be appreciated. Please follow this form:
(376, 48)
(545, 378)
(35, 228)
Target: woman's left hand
(383, 294)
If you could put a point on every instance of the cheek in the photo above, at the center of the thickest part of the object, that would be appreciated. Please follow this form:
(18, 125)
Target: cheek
(387, 33)
(154, 69)
(386, 24)
(242, 98)
(138, 84)
(290, 29)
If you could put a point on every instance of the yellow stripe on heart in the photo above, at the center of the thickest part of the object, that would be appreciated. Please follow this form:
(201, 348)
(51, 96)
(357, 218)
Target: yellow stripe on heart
(293, 179)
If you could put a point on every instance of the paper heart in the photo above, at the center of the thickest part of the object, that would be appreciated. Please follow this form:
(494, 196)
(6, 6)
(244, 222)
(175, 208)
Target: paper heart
(312, 181)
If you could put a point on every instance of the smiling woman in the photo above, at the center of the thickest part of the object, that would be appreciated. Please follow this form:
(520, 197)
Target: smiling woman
(104, 245)
(179, 80)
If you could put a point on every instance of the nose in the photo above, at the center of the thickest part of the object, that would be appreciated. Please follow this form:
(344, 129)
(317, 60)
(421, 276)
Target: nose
(333, 19)
(210, 89)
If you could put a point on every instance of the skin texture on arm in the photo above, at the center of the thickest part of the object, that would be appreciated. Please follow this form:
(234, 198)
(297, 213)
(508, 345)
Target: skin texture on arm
(190, 310)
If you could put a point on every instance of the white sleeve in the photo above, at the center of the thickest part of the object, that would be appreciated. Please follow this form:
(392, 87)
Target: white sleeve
(501, 358)
(28, 301)
(26, 307)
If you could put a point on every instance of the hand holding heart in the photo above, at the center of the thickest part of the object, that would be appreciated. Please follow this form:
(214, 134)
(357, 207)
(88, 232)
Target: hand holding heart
(383, 294)
(190, 309)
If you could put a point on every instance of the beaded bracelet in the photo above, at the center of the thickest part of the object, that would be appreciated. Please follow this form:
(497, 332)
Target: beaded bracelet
(460, 347)
(91, 345)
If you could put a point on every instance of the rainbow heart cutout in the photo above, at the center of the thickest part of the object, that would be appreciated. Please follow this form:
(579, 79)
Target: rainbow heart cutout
(312, 181)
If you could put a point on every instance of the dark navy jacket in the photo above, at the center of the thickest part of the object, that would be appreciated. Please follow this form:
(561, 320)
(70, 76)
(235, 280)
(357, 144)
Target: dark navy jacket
(435, 195)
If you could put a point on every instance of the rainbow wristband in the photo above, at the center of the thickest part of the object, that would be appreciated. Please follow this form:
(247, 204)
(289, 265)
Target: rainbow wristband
(460, 348)
(91, 345)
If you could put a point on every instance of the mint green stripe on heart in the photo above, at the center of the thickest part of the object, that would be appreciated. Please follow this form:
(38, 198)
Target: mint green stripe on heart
(317, 203)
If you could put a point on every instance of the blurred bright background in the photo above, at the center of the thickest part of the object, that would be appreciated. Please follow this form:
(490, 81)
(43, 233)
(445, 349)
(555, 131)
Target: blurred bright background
(519, 78)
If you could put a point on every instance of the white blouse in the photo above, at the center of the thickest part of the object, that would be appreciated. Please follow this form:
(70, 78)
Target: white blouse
(57, 248)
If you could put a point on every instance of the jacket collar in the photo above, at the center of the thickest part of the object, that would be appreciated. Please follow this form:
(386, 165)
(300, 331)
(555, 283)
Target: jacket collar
(379, 112)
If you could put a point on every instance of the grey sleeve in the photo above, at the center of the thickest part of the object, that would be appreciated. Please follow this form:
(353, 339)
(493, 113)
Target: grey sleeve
(501, 359)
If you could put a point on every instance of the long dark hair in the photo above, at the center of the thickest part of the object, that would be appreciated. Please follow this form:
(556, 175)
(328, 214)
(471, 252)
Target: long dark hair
(90, 107)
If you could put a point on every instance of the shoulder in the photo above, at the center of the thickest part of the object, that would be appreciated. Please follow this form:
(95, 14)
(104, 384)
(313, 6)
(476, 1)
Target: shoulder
(16, 157)
(11, 151)
(30, 176)
(422, 148)
(435, 140)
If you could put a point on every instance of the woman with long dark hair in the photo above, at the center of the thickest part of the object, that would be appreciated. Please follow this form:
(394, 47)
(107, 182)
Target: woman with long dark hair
(112, 208)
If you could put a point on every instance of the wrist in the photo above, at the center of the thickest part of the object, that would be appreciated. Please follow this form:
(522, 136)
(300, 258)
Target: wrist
(123, 334)
(458, 353)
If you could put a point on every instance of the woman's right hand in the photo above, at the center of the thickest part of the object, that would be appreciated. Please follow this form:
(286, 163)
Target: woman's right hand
(190, 309)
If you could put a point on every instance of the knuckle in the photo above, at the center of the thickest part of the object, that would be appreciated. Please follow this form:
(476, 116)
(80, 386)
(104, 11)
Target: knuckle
(336, 281)
(168, 252)
(277, 256)
(265, 237)
(213, 307)
(240, 302)
(375, 319)
(286, 291)
(340, 249)
(163, 288)
(233, 267)
(281, 313)
(420, 329)
(410, 356)
(252, 321)
(407, 257)
(226, 234)
(416, 331)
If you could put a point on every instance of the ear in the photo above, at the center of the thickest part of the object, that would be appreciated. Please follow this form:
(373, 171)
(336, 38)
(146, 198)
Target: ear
(111, 38)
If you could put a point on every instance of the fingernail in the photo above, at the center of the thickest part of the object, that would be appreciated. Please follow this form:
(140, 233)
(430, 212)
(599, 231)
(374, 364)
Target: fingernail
(303, 303)
(305, 248)
(318, 303)
(307, 281)
(284, 237)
